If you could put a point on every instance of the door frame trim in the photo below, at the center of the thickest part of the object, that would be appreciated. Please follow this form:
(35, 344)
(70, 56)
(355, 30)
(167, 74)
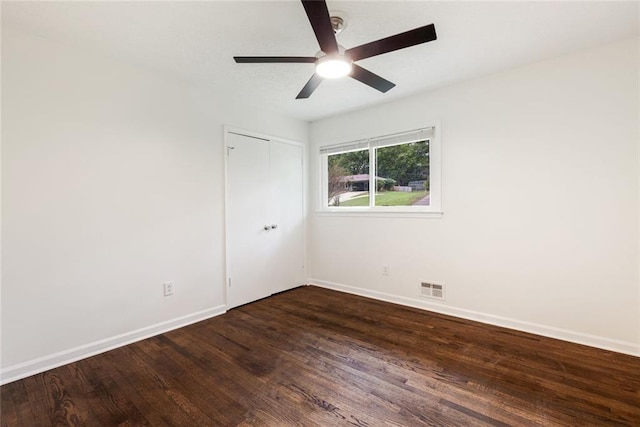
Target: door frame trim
(305, 198)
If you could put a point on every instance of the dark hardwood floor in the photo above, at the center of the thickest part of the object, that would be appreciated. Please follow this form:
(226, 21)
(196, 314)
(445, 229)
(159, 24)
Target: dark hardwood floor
(312, 356)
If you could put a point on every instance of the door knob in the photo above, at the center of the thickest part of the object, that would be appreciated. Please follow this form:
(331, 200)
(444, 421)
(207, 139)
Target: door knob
(267, 228)
(274, 226)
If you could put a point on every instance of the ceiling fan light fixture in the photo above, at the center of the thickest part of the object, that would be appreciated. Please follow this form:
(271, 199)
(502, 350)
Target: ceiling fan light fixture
(333, 66)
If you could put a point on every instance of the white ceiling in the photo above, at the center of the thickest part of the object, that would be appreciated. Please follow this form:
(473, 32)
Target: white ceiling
(196, 41)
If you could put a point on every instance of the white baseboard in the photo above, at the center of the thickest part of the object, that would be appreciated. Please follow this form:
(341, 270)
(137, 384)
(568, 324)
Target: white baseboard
(36, 366)
(534, 328)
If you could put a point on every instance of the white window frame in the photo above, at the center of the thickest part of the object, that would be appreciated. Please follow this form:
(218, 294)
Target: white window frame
(434, 210)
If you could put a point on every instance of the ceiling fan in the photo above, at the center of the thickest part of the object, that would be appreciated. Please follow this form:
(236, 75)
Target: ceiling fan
(333, 60)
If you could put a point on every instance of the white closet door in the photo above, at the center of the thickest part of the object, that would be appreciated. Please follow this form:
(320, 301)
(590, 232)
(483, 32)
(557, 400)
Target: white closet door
(265, 218)
(248, 199)
(287, 209)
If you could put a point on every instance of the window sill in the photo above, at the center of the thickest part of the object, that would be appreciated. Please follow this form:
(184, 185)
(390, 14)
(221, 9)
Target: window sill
(381, 214)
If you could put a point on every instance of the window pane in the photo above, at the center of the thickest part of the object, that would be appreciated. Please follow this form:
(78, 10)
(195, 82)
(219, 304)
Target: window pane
(348, 179)
(402, 177)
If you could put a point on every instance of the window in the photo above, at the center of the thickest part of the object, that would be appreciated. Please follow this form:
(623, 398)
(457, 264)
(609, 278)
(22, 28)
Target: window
(393, 173)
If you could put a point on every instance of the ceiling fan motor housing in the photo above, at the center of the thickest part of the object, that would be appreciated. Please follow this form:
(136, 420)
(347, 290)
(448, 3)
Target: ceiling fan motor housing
(337, 23)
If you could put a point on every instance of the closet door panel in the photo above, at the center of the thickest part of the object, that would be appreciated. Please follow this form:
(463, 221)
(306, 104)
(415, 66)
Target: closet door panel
(250, 246)
(287, 210)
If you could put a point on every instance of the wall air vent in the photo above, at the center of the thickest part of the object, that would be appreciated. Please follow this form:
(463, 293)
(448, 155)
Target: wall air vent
(432, 290)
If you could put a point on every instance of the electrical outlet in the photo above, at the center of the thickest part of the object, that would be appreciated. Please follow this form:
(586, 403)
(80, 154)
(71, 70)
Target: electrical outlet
(168, 289)
(385, 270)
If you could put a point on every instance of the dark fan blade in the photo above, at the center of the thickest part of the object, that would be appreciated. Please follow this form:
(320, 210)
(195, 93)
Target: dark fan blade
(274, 59)
(311, 85)
(389, 44)
(370, 79)
(318, 15)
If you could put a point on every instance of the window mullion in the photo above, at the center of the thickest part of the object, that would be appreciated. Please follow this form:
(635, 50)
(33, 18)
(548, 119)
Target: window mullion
(372, 177)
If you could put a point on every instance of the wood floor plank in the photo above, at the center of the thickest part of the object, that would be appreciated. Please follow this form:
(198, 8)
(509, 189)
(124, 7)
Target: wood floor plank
(315, 357)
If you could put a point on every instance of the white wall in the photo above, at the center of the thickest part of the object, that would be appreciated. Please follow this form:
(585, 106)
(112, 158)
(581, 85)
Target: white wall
(540, 199)
(112, 183)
